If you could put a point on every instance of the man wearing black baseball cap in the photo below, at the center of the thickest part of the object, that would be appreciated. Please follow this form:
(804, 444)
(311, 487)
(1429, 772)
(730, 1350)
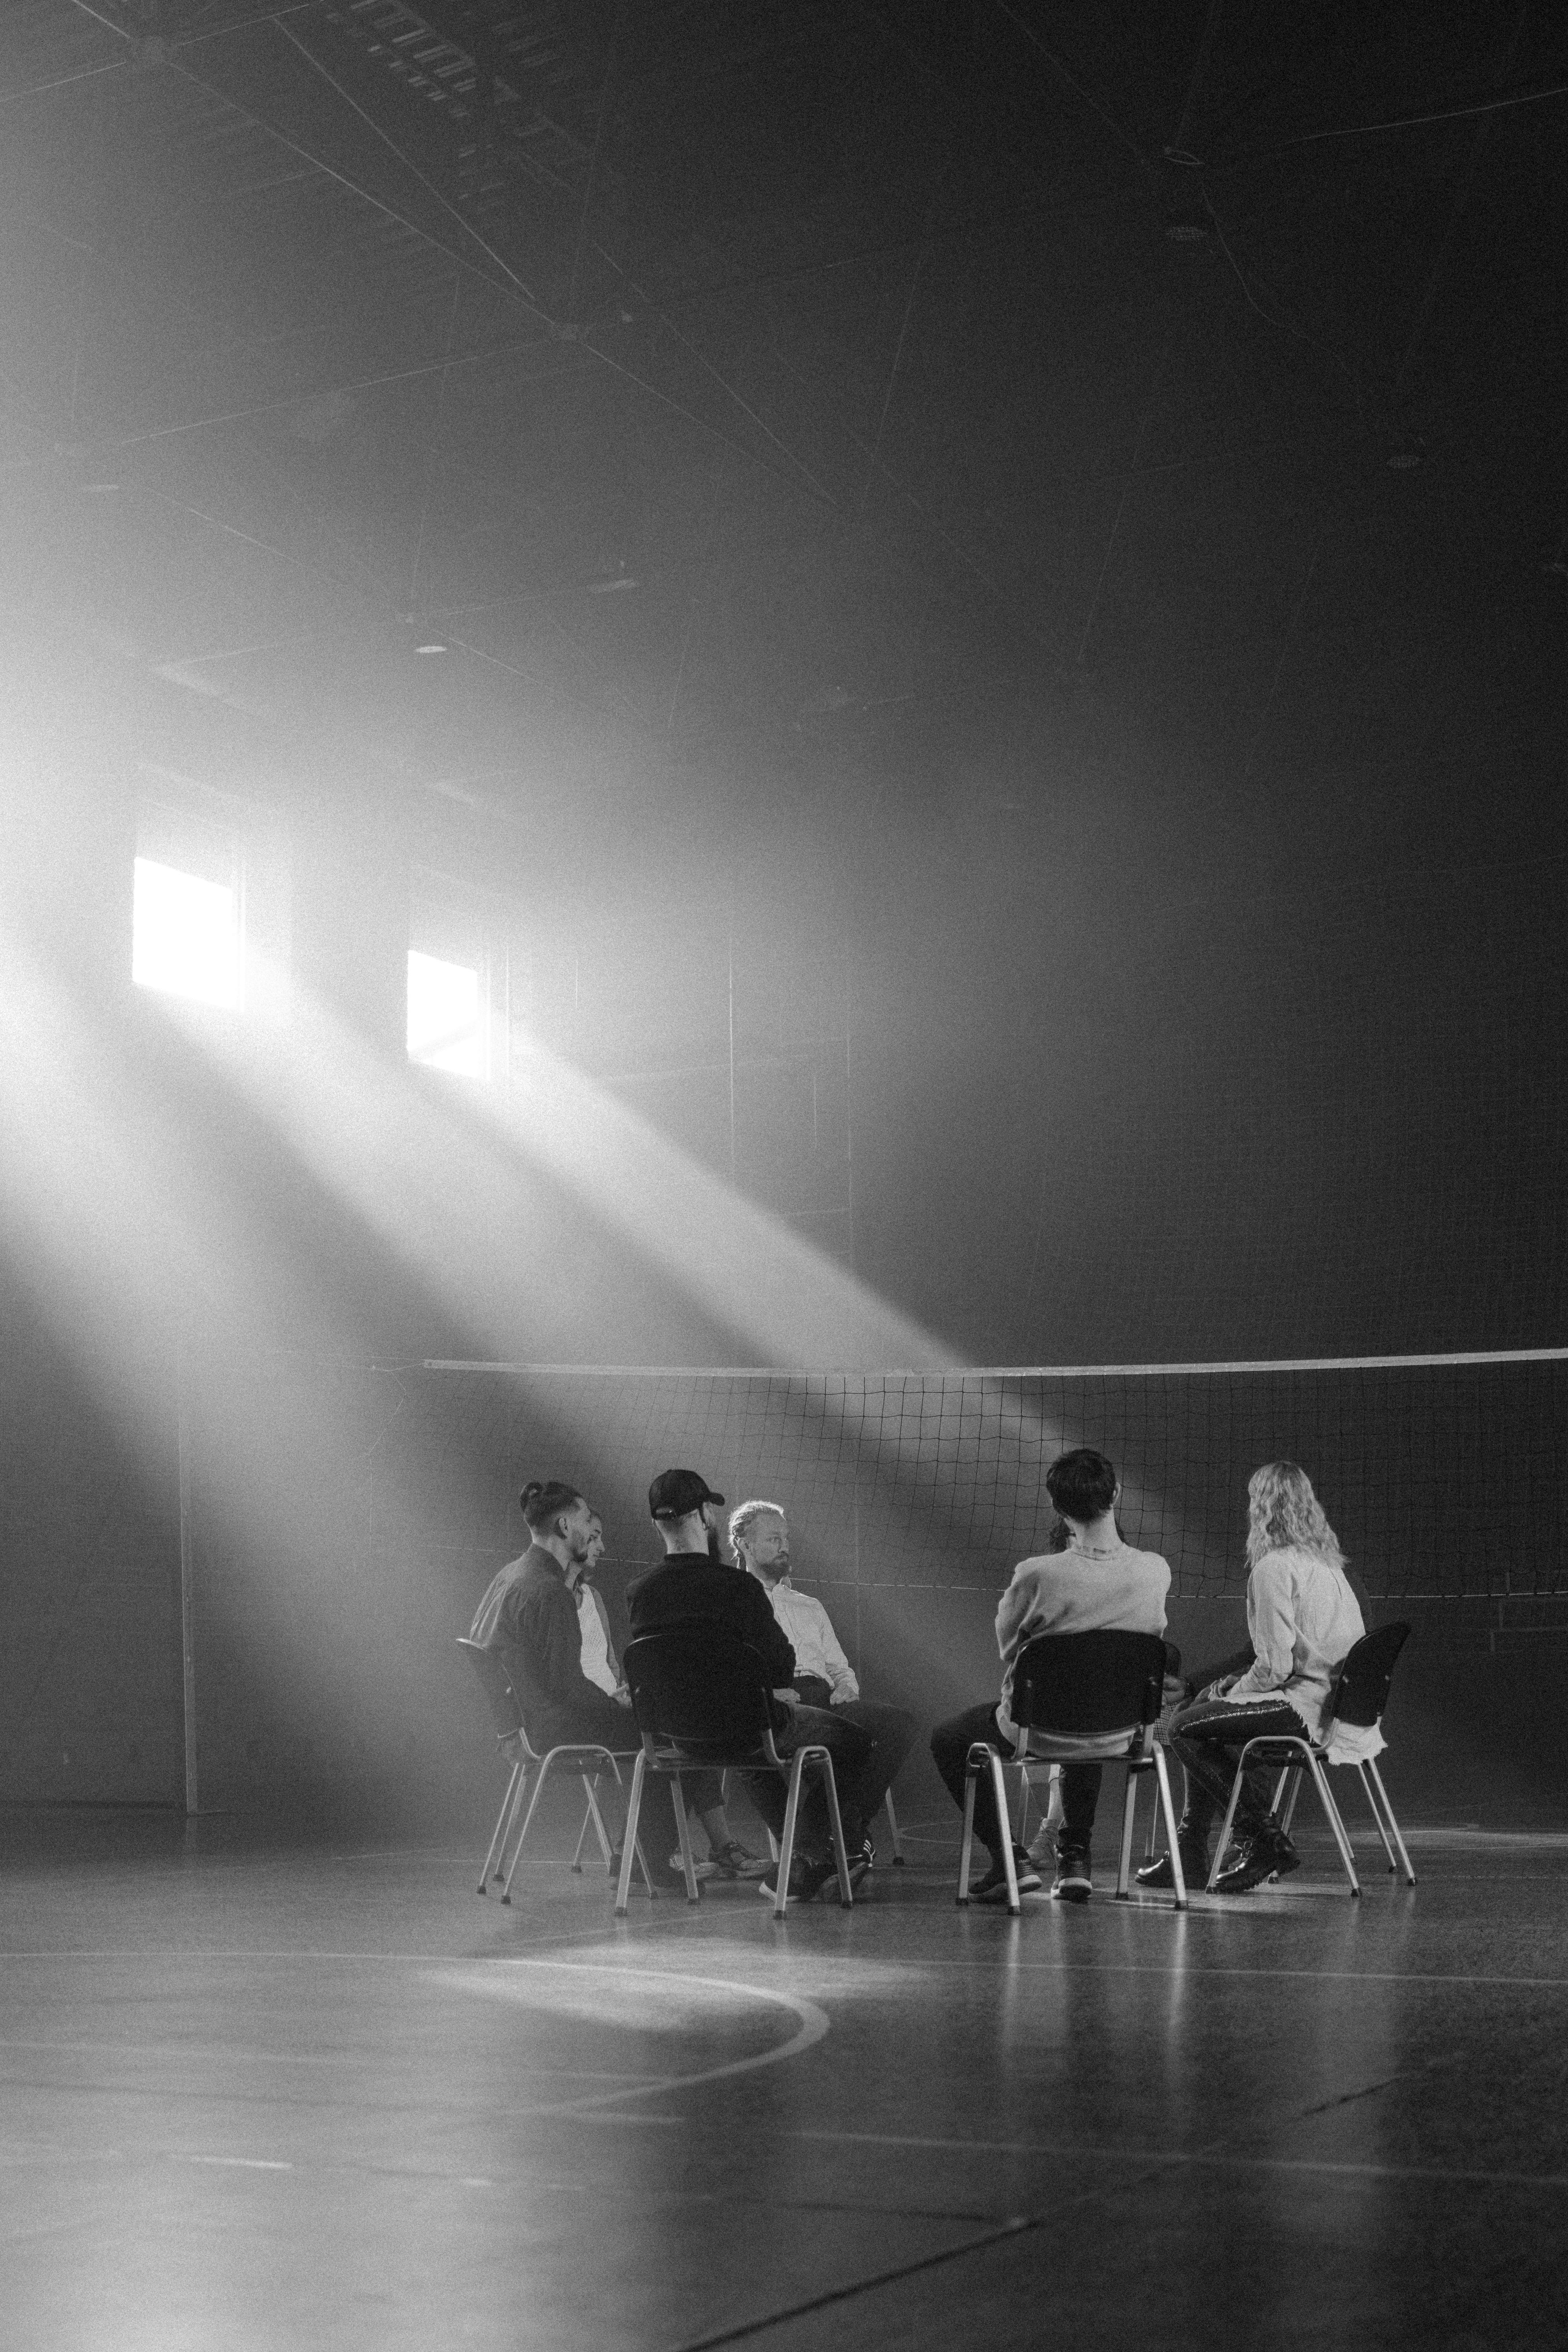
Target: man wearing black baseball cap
(694, 1582)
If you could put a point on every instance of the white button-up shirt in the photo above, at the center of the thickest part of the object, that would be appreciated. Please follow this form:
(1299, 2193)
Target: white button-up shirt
(598, 1659)
(815, 1644)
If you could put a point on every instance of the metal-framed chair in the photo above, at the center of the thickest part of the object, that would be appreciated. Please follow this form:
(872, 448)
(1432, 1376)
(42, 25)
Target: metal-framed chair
(1069, 1689)
(1360, 1695)
(702, 1701)
(512, 1742)
(894, 1834)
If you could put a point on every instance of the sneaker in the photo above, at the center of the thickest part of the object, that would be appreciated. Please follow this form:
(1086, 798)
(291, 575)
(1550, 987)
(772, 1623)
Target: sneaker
(1074, 1882)
(703, 1869)
(992, 1887)
(1269, 1855)
(733, 1861)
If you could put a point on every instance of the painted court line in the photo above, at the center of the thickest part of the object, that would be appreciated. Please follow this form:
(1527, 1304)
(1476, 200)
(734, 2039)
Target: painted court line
(237, 2163)
(1465, 2176)
(811, 2028)
(314, 2059)
(1180, 1967)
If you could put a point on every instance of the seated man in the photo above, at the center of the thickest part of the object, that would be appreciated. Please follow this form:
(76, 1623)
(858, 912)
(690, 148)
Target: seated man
(693, 1581)
(759, 1538)
(1304, 1618)
(1097, 1582)
(727, 1857)
(529, 1617)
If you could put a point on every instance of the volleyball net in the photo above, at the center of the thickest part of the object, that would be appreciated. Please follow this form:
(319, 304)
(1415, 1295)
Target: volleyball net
(1445, 1478)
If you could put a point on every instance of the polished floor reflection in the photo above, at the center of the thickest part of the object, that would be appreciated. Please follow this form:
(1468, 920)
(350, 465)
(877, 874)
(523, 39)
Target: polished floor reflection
(261, 2095)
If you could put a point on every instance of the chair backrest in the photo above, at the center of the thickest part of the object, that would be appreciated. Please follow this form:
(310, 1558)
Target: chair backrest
(1361, 1687)
(1083, 1686)
(699, 1686)
(496, 1684)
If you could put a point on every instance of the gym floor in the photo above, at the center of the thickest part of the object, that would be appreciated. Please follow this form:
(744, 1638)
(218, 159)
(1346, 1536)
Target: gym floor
(265, 2094)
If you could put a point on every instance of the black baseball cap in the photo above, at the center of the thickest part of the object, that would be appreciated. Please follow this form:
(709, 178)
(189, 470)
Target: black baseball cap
(674, 1492)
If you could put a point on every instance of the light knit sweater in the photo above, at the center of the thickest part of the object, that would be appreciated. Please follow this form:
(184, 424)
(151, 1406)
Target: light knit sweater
(1066, 1592)
(1303, 1619)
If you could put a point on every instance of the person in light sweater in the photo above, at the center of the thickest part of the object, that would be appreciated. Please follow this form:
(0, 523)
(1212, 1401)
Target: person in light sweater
(1303, 1619)
(1096, 1582)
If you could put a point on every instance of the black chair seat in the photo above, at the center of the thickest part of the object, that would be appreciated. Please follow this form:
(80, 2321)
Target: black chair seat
(1099, 1696)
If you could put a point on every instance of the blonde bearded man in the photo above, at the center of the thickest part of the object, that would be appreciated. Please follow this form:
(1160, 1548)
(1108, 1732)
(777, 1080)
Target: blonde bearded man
(759, 1538)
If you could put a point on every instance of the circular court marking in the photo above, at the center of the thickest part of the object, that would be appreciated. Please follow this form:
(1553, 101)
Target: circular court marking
(812, 2023)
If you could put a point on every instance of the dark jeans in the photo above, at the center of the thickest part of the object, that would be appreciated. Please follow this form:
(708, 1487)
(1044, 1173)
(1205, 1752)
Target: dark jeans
(891, 1731)
(852, 1753)
(1206, 1737)
(950, 1745)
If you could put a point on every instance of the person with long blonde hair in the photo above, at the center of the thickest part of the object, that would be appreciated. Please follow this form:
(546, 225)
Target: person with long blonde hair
(1303, 1618)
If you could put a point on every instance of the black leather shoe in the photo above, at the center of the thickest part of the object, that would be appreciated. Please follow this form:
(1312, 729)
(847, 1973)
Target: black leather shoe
(1194, 1867)
(1270, 1855)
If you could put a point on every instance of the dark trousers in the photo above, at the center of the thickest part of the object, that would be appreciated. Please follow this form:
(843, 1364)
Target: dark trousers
(892, 1735)
(851, 1750)
(1206, 1737)
(950, 1745)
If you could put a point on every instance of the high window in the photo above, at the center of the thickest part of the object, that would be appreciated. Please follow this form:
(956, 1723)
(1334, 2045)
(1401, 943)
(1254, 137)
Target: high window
(187, 934)
(458, 971)
(209, 912)
(446, 1015)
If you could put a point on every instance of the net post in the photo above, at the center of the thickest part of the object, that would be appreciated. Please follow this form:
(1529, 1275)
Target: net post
(187, 1582)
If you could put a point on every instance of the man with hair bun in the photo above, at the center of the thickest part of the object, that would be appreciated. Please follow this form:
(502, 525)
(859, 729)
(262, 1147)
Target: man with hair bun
(528, 1616)
(1095, 1583)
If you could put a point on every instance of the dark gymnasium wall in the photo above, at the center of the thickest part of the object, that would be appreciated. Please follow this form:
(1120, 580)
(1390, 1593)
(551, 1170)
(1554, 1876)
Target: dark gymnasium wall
(1315, 1137)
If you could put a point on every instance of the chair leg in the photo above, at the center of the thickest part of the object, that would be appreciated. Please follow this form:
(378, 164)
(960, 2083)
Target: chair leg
(1331, 1815)
(593, 1815)
(966, 1842)
(1178, 1876)
(1128, 1807)
(1377, 1817)
(501, 1867)
(1025, 1792)
(835, 1829)
(504, 1822)
(1225, 1826)
(629, 1844)
(539, 1781)
(999, 1790)
(1369, 1768)
(1291, 1801)
(693, 1892)
(786, 1844)
(893, 1831)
